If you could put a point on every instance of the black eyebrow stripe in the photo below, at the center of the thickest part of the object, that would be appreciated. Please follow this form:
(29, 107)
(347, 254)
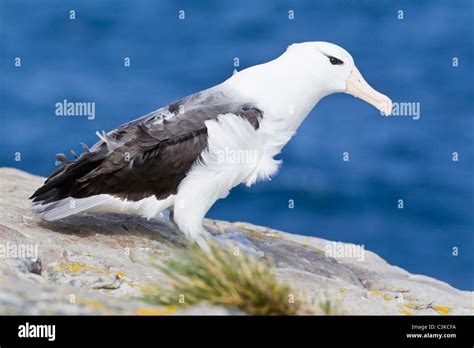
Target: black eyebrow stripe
(329, 56)
(340, 61)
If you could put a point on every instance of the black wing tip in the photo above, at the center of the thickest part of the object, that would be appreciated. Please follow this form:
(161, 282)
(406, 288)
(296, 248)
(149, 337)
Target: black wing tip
(36, 194)
(45, 195)
(60, 184)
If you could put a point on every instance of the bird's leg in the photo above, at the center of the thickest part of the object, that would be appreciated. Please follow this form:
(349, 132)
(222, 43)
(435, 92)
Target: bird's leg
(189, 222)
(171, 216)
(172, 222)
(151, 207)
(196, 195)
(192, 203)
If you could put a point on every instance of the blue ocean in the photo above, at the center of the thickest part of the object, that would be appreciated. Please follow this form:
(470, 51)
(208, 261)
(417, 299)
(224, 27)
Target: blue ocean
(415, 52)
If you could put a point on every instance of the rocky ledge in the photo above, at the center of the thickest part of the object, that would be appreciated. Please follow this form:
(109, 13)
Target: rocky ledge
(103, 264)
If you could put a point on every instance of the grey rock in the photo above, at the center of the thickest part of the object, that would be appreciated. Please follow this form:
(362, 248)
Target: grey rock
(237, 240)
(207, 309)
(104, 264)
(33, 265)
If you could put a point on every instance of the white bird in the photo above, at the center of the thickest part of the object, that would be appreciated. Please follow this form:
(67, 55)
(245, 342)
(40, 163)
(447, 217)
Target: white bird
(187, 155)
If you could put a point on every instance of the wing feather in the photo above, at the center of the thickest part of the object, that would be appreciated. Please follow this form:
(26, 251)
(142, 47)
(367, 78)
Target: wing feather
(148, 156)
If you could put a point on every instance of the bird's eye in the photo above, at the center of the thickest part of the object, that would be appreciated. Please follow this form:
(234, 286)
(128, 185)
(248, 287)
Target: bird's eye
(335, 61)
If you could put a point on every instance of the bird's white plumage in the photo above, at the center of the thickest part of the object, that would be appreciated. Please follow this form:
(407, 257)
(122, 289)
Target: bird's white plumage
(214, 176)
(286, 90)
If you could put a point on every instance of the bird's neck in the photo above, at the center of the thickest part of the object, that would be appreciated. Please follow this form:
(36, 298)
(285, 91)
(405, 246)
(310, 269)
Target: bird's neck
(282, 88)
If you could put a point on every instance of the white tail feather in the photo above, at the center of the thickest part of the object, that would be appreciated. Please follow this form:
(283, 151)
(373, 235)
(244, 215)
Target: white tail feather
(67, 206)
(148, 207)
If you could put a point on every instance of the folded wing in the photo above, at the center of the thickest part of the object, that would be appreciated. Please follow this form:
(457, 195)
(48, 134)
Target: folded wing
(145, 157)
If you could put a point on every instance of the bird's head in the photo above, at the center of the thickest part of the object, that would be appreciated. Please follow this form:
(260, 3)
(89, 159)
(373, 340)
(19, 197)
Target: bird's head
(333, 69)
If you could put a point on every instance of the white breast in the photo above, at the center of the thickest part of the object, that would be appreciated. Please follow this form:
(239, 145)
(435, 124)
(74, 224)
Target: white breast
(237, 152)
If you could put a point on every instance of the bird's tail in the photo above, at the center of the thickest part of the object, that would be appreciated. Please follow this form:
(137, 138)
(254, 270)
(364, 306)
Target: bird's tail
(54, 200)
(68, 206)
(59, 184)
(149, 207)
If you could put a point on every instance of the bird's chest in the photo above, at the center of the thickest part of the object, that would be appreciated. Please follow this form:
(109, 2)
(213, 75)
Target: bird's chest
(240, 153)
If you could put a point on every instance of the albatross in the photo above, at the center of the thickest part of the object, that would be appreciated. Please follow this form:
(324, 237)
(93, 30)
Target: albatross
(176, 158)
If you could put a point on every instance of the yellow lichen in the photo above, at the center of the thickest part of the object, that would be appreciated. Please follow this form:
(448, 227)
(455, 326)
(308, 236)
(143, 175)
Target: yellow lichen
(412, 305)
(91, 303)
(260, 235)
(77, 267)
(248, 230)
(155, 311)
(404, 311)
(274, 236)
(387, 297)
(143, 288)
(444, 310)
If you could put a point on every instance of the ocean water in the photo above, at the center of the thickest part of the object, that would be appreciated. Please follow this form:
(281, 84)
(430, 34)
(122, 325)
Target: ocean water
(409, 59)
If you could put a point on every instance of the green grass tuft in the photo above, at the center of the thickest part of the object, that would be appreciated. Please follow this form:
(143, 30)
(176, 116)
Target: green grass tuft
(222, 278)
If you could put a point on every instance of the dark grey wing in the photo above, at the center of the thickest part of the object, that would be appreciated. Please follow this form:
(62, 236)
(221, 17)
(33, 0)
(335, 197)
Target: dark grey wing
(148, 156)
